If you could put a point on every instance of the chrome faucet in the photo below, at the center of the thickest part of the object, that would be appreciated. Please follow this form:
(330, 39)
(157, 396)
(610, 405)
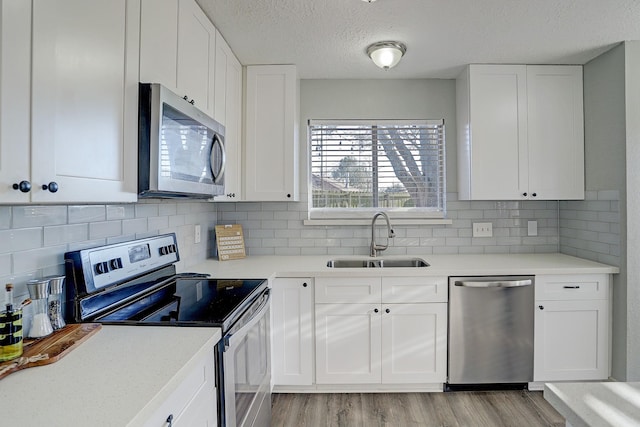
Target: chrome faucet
(375, 248)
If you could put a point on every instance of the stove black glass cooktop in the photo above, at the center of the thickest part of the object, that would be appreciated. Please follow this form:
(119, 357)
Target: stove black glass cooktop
(193, 302)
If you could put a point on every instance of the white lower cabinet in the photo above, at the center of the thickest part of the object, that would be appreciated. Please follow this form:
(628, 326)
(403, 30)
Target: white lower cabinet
(292, 331)
(571, 328)
(193, 400)
(348, 344)
(404, 342)
(414, 343)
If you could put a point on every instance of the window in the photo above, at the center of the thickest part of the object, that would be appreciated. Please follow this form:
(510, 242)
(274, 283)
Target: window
(362, 166)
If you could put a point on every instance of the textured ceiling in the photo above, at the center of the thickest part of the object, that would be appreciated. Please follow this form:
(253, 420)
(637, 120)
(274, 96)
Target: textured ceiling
(327, 39)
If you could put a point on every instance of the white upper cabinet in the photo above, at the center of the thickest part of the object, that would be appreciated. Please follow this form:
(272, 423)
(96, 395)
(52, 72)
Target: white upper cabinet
(271, 133)
(520, 132)
(15, 93)
(84, 102)
(555, 131)
(159, 43)
(177, 49)
(228, 111)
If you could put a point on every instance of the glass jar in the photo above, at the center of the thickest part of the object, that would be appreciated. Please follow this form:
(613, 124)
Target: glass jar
(55, 302)
(40, 323)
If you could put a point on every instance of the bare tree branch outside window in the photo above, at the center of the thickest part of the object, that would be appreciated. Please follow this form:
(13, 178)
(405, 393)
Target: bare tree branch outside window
(378, 165)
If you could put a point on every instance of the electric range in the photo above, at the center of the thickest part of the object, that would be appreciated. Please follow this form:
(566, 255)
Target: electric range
(136, 283)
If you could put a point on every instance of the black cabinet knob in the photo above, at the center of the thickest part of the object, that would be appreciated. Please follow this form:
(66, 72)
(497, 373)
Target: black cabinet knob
(534, 194)
(289, 195)
(524, 194)
(192, 102)
(387, 311)
(541, 307)
(170, 420)
(23, 186)
(52, 187)
(375, 310)
(304, 285)
(186, 98)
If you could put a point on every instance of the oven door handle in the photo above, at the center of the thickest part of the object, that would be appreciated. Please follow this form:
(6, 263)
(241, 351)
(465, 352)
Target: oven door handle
(231, 338)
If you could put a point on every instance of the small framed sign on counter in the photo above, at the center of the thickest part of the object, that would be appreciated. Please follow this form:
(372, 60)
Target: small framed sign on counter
(230, 242)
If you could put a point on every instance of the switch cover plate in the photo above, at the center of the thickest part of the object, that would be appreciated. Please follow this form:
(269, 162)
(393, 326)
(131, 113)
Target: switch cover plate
(197, 234)
(482, 229)
(532, 228)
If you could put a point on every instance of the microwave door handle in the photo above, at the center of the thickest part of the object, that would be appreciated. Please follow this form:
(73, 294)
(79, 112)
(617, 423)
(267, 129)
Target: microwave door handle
(216, 139)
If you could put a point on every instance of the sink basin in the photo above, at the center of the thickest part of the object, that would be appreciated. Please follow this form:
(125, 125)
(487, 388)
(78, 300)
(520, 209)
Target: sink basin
(377, 263)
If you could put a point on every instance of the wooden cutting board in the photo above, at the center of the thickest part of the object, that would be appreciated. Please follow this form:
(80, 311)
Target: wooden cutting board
(50, 349)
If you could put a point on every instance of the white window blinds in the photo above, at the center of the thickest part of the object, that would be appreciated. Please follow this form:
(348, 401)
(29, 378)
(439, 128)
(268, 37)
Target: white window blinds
(393, 165)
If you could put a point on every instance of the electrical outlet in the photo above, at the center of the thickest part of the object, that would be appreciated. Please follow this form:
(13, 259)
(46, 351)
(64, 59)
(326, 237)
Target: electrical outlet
(482, 229)
(197, 234)
(532, 228)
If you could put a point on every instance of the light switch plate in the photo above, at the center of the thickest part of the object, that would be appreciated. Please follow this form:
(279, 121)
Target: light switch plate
(482, 229)
(532, 228)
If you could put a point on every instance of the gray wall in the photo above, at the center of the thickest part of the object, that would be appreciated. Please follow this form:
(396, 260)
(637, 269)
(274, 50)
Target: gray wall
(612, 156)
(632, 103)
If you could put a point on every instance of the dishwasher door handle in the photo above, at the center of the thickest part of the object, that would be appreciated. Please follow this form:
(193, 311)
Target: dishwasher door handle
(493, 284)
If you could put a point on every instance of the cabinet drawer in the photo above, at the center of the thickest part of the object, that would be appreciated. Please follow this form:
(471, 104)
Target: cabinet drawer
(572, 287)
(200, 377)
(414, 289)
(348, 289)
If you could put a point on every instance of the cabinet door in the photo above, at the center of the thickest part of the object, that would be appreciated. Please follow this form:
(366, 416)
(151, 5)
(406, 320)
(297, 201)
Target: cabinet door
(556, 132)
(159, 42)
(571, 340)
(292, 333)
(228, 111)
(271, 147)
(347, 344)
(494, 134)
(414, 343)
(192, 400)
(15, 96)
(85, 100)
(196, 55)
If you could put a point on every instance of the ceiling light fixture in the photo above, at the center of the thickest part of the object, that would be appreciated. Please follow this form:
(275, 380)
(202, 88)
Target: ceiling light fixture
(386, 54)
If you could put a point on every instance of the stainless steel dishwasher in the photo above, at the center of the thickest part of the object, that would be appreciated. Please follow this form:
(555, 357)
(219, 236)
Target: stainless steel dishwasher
(490, 330)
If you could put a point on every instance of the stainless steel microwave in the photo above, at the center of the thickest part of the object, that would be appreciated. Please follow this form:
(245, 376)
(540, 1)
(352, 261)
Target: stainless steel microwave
(180, 148)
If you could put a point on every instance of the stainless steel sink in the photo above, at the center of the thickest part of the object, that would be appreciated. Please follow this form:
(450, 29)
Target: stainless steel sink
(377, 263)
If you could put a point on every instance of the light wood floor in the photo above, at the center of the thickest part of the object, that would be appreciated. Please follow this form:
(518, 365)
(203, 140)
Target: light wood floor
(468, 409)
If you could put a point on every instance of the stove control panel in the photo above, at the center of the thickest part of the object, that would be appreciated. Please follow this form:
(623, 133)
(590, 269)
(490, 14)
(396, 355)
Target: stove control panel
(109, 265)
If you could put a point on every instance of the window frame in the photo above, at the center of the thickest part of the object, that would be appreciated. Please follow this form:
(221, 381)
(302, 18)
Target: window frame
(356, 215)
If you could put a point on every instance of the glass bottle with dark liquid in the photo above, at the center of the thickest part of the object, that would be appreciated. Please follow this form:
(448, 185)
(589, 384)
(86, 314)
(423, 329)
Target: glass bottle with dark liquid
(10, 328)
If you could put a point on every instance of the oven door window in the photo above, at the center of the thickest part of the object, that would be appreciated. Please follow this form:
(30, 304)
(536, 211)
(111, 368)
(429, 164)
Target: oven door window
(249, 361)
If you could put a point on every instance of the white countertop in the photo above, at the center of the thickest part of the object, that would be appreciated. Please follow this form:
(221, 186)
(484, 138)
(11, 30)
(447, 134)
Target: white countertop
(107, 380)
(440, 265)
(599, 404)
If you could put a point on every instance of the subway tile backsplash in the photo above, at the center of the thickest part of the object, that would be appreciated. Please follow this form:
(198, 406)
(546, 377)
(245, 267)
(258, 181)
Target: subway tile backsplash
(35, 238)
(590, 228)
(277, 229)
